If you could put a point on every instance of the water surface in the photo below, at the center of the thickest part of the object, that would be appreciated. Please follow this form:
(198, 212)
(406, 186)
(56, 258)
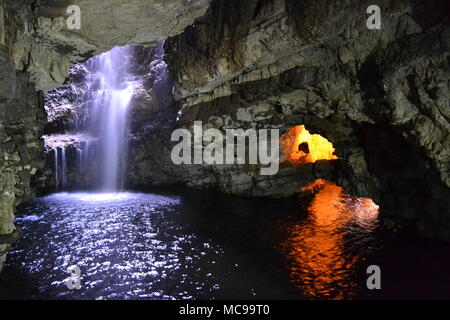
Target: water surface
(201, 245)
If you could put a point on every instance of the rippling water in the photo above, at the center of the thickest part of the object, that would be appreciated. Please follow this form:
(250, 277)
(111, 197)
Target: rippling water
(198, 245)
(126, 244)
(325, 248)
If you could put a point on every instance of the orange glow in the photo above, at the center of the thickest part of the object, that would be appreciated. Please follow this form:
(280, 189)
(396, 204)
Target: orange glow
(320, 265)
(301, 147)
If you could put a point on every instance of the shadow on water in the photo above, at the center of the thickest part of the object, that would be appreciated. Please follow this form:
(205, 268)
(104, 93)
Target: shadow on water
(186, 244)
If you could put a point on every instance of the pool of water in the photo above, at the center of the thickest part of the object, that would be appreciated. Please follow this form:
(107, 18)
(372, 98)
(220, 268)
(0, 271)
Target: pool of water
(202, 245)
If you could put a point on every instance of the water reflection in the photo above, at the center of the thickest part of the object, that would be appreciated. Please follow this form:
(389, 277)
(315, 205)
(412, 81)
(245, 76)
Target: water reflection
(127, 245)
(321, 260)
(201, 245)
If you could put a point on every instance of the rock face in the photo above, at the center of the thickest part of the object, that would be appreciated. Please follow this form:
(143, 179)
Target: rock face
(36, 52)
(22, 119)
(152, 120)
(380, 96)
(45, 45)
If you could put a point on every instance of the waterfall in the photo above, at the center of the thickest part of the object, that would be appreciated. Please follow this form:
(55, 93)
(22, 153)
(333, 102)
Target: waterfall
(109, 113)
(80, 166)
(113, 139)
(107, 96)
(63, 167)
(60, 168)
(56, 168)
(96, 144)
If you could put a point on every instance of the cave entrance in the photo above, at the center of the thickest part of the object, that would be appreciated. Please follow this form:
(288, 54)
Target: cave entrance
(301, 147)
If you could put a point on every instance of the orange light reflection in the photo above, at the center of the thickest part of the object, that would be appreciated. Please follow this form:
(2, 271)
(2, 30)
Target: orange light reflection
(318, 262)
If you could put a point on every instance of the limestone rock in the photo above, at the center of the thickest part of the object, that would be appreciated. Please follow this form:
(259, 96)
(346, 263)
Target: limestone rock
(46, 47)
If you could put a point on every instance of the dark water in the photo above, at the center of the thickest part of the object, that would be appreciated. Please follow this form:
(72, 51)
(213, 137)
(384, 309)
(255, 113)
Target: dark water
(199, 245)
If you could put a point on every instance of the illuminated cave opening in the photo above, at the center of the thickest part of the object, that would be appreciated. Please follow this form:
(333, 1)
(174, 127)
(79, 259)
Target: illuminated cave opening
(301, 147)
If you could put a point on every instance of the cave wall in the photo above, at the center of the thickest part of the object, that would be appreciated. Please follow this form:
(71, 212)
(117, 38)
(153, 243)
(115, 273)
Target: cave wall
(278, 63)
(22, 120)
(153, 114)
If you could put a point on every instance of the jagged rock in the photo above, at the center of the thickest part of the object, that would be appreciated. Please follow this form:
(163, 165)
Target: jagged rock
(45, 46)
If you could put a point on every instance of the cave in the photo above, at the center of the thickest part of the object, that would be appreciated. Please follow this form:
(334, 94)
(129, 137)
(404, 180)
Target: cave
(301, 147)
(91, 112)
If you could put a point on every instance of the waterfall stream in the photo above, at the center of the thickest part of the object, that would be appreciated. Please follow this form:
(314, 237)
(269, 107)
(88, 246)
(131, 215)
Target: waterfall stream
(92, 120)
(109, 113)
(99, 133)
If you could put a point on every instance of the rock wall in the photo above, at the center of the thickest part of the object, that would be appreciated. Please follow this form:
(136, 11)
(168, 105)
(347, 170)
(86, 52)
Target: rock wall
(380, 96)
(43, 43)
(152, 120)
(22, 119)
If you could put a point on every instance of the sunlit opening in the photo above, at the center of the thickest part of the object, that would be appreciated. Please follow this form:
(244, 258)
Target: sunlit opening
(301, 147)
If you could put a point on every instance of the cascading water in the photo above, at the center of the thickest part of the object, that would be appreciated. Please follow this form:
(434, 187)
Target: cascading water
(55, 150)
(63, 167)
(109, 113)
(91, 112)
(60, 167)
(100, 129)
